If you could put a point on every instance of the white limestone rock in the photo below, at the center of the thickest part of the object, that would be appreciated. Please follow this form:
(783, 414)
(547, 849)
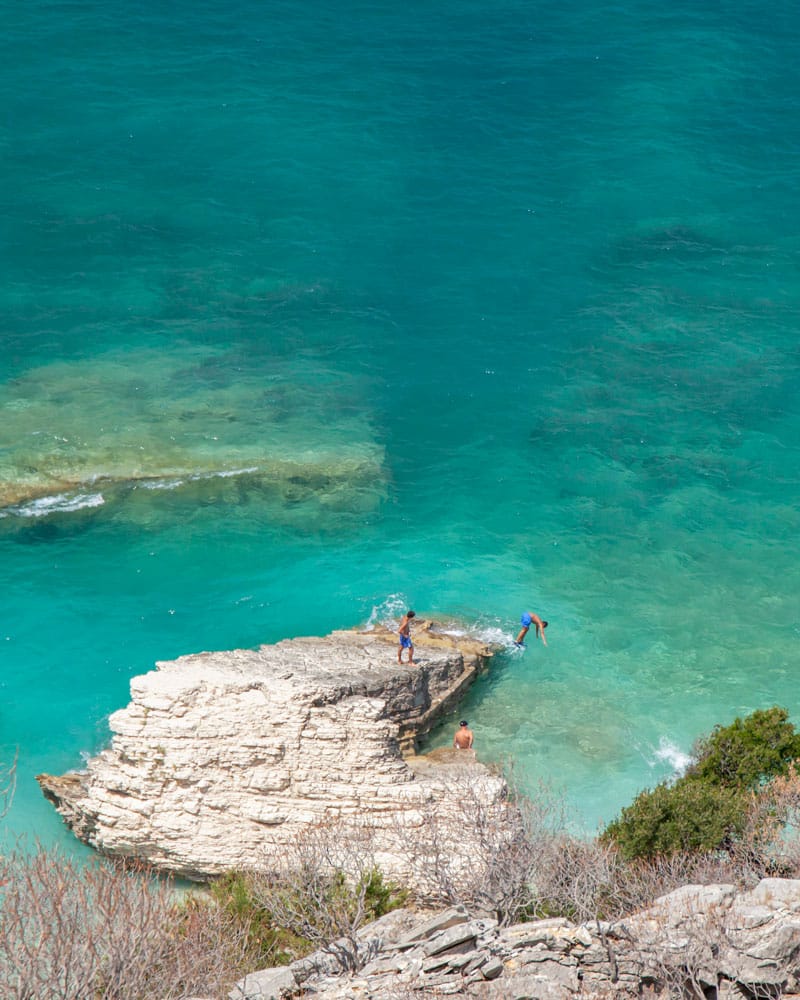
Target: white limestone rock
(271, 984)
(222, 758)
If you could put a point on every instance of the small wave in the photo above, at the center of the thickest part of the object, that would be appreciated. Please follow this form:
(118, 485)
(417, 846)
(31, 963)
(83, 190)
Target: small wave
(224, 474)
(387, 612)
(668, 753)
(161, 484)
(235, 472)
(61, 503)
(175, 482)
(491, 635)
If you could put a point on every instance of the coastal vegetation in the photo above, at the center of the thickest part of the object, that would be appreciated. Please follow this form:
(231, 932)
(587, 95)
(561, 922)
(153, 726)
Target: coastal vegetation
(308, 905)
(112, 930)
(740, 771)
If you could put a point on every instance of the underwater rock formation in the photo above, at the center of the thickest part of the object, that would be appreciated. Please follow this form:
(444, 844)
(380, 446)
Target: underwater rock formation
(76, 433)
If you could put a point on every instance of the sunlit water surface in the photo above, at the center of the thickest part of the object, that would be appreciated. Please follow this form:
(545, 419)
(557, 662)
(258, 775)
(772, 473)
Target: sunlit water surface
(309, 314)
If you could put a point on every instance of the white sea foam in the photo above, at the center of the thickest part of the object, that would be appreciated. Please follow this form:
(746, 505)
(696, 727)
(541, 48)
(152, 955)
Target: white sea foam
(61, 503)
(387, 612)
(222, 474)
(492, 635)
(668, 753)
(161, 484)
(234, 472)
(175, 482)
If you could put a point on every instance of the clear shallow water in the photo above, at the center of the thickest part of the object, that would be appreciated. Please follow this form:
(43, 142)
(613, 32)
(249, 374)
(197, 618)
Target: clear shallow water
(308, 313)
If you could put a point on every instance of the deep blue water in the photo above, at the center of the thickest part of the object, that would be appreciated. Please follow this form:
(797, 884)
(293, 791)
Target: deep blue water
(311, 312)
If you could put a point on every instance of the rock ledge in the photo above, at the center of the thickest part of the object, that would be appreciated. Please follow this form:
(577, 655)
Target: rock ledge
(698, 941)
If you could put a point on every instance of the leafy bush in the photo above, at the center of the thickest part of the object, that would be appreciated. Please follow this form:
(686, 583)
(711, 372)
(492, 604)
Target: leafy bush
(267, 942)
(381, 896)
(707, 809)
(749, 751)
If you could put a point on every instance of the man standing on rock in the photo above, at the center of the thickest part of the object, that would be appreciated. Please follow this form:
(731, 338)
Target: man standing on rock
(464, 737)
(405, 638)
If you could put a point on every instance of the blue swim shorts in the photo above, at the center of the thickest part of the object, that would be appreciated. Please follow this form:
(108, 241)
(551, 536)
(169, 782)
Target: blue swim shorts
(526, 620)
(405, 642)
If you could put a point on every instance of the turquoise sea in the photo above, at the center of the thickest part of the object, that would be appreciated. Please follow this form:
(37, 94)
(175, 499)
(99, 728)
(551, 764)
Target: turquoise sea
(312, 311)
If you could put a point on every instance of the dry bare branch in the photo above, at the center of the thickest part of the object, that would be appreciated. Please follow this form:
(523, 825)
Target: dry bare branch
(68, 932)
(8, 785)
(323, 889)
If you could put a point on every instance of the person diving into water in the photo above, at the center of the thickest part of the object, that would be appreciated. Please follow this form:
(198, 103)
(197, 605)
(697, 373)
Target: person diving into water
(530, 618)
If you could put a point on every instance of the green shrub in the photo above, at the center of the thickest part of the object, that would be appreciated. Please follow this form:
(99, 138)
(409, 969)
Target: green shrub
(749, 751)
(267, 944)
(381, 896)
(707, 808)
(687, 816)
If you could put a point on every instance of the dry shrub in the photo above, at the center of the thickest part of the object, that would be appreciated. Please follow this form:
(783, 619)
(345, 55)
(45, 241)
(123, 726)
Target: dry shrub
(69, 932)
(679, 953)
(588, 880)
(479, 849)
(324, 888)
(8, 784)
(770, 842)
(516, 858)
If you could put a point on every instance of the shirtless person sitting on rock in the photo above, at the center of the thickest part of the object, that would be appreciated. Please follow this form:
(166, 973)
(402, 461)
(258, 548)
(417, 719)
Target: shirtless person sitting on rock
(464, 737)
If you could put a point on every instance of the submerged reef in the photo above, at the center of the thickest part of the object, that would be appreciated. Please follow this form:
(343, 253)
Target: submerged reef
(73, 434)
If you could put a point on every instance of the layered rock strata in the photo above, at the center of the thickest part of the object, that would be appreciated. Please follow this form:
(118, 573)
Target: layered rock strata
(222, 759)
(707, 941)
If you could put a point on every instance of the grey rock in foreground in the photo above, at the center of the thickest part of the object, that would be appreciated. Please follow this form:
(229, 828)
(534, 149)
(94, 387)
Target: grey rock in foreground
(710, 939)
(221, 759)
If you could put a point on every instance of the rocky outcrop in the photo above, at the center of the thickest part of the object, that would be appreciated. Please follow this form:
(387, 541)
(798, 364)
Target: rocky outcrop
(223, 758)
(699, 940)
